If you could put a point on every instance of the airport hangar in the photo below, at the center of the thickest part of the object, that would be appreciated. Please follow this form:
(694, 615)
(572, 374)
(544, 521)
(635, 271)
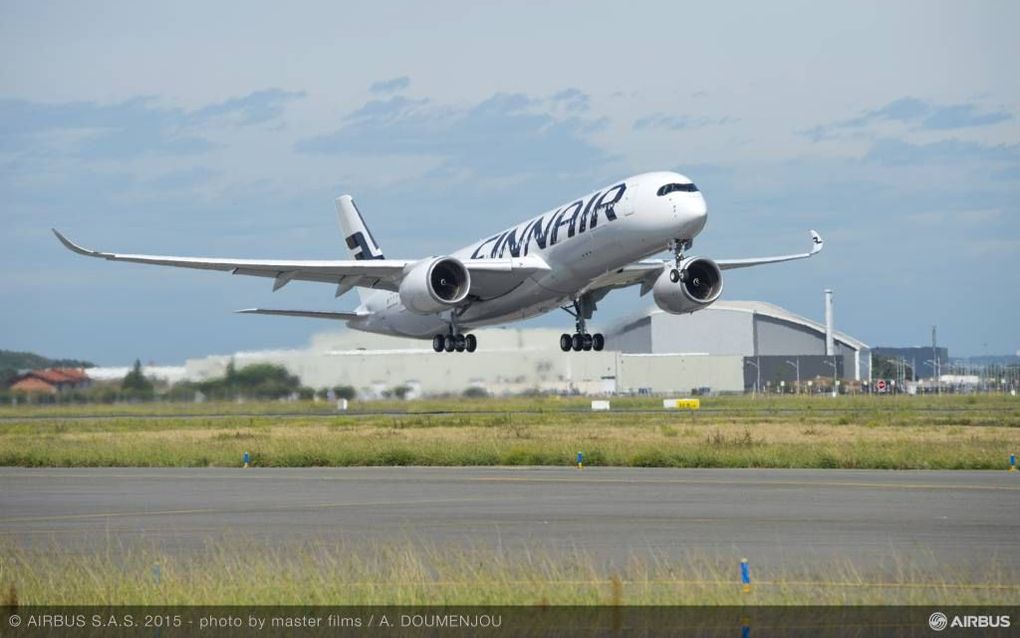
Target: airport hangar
(721, 347)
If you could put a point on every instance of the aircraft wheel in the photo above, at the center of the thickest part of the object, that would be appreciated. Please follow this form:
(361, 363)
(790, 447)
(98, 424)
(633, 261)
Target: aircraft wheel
(586, 342)
(470, 343)
(437, 343)
(459, 342)
(577, 342)
(449, 343)
(674, 275)
(565, 342)
(598, 341)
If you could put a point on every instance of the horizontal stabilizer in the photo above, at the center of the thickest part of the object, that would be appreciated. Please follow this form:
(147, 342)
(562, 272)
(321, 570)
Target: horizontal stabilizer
(314, 314)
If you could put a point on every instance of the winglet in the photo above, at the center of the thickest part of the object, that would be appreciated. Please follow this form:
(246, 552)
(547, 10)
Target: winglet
(817, 243)
(73, 247)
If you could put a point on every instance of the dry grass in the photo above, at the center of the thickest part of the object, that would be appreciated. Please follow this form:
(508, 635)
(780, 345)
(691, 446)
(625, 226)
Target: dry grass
(246, 573)
(774, 433)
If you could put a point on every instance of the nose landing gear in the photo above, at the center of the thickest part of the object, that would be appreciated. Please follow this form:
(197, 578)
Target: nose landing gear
(678, 246)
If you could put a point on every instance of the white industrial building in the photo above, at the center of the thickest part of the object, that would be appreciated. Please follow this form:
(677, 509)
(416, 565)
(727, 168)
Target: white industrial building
(763, 334)
(651, 352)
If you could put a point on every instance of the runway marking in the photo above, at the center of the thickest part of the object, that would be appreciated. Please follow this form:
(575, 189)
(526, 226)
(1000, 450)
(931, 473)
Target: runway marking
(724, 583)
(545, 479)
(767, 482)
(68, 517)
(175, 531)
(298, 508)
(541, 479)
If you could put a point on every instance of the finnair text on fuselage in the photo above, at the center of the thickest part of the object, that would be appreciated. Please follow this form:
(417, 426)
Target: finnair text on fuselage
(577, 217)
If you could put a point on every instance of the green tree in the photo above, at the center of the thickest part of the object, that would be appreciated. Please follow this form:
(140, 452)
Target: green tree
(260, 380)
(135, 384)
(345, 392)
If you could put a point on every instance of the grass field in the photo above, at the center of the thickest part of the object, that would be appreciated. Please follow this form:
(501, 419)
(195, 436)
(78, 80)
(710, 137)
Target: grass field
(951, 432)
(246, 573)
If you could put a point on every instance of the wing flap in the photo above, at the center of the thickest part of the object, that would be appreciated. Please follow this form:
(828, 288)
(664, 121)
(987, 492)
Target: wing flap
(492, 278)
(639, 272)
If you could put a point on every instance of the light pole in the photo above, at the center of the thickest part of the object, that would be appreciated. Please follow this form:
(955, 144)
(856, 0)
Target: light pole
(796, 366)
(757, 369)
(903, 373)
(832, 363)
(936, 379)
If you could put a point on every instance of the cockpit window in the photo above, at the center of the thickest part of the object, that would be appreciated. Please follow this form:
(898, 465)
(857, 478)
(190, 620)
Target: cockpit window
(669, 188)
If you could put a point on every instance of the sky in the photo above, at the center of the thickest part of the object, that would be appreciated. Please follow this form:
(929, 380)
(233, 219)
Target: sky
(227, 129)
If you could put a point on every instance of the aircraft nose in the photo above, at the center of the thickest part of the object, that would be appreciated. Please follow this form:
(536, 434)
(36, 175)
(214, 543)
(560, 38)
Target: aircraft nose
(697, 212)
(699, 207)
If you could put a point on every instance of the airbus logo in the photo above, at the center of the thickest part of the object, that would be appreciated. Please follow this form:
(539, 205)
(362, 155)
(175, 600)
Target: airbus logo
(938, 621)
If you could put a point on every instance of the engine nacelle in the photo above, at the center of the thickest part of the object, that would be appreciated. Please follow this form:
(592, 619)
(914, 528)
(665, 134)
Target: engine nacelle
(435, 284)
(700, 284)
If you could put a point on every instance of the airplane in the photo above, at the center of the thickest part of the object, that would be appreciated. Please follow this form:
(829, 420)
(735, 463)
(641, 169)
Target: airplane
(569, 258)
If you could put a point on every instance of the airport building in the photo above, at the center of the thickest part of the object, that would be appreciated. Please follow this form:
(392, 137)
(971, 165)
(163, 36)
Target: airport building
(729, 347)
(776, 345)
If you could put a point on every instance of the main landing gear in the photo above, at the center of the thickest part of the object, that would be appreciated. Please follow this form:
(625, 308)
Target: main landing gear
(581, 339)
(678, 246)
(454, 340)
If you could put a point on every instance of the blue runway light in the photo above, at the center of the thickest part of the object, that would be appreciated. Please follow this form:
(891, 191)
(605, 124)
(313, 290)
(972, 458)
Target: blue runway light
(247, 460)
(745, 575)
(580, 460)
(1012, 462)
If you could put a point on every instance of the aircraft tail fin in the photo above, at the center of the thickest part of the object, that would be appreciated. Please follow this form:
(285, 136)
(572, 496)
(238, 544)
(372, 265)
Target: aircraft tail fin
(361, 244)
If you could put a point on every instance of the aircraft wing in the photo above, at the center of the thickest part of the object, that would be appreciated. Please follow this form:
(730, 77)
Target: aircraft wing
(816, 246)
(314, 314)
(640, 272)
(647, 271)
(489, 277)
(492, 278)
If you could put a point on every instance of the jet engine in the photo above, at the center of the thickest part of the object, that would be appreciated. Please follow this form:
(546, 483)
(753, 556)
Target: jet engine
(699, 284)
(435, 284)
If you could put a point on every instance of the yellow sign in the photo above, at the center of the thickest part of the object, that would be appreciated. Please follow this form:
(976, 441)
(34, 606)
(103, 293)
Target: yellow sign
(681, 404)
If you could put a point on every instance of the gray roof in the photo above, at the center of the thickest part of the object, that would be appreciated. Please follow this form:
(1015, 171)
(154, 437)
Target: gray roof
(760, 308)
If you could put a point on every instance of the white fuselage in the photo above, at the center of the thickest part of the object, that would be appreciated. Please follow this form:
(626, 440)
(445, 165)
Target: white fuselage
(580, 241)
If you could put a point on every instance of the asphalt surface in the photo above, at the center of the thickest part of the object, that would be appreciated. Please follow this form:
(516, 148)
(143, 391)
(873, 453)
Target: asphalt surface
(961, 520)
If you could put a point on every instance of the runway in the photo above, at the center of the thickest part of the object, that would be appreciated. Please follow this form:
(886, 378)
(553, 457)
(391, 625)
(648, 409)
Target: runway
(957, 519)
